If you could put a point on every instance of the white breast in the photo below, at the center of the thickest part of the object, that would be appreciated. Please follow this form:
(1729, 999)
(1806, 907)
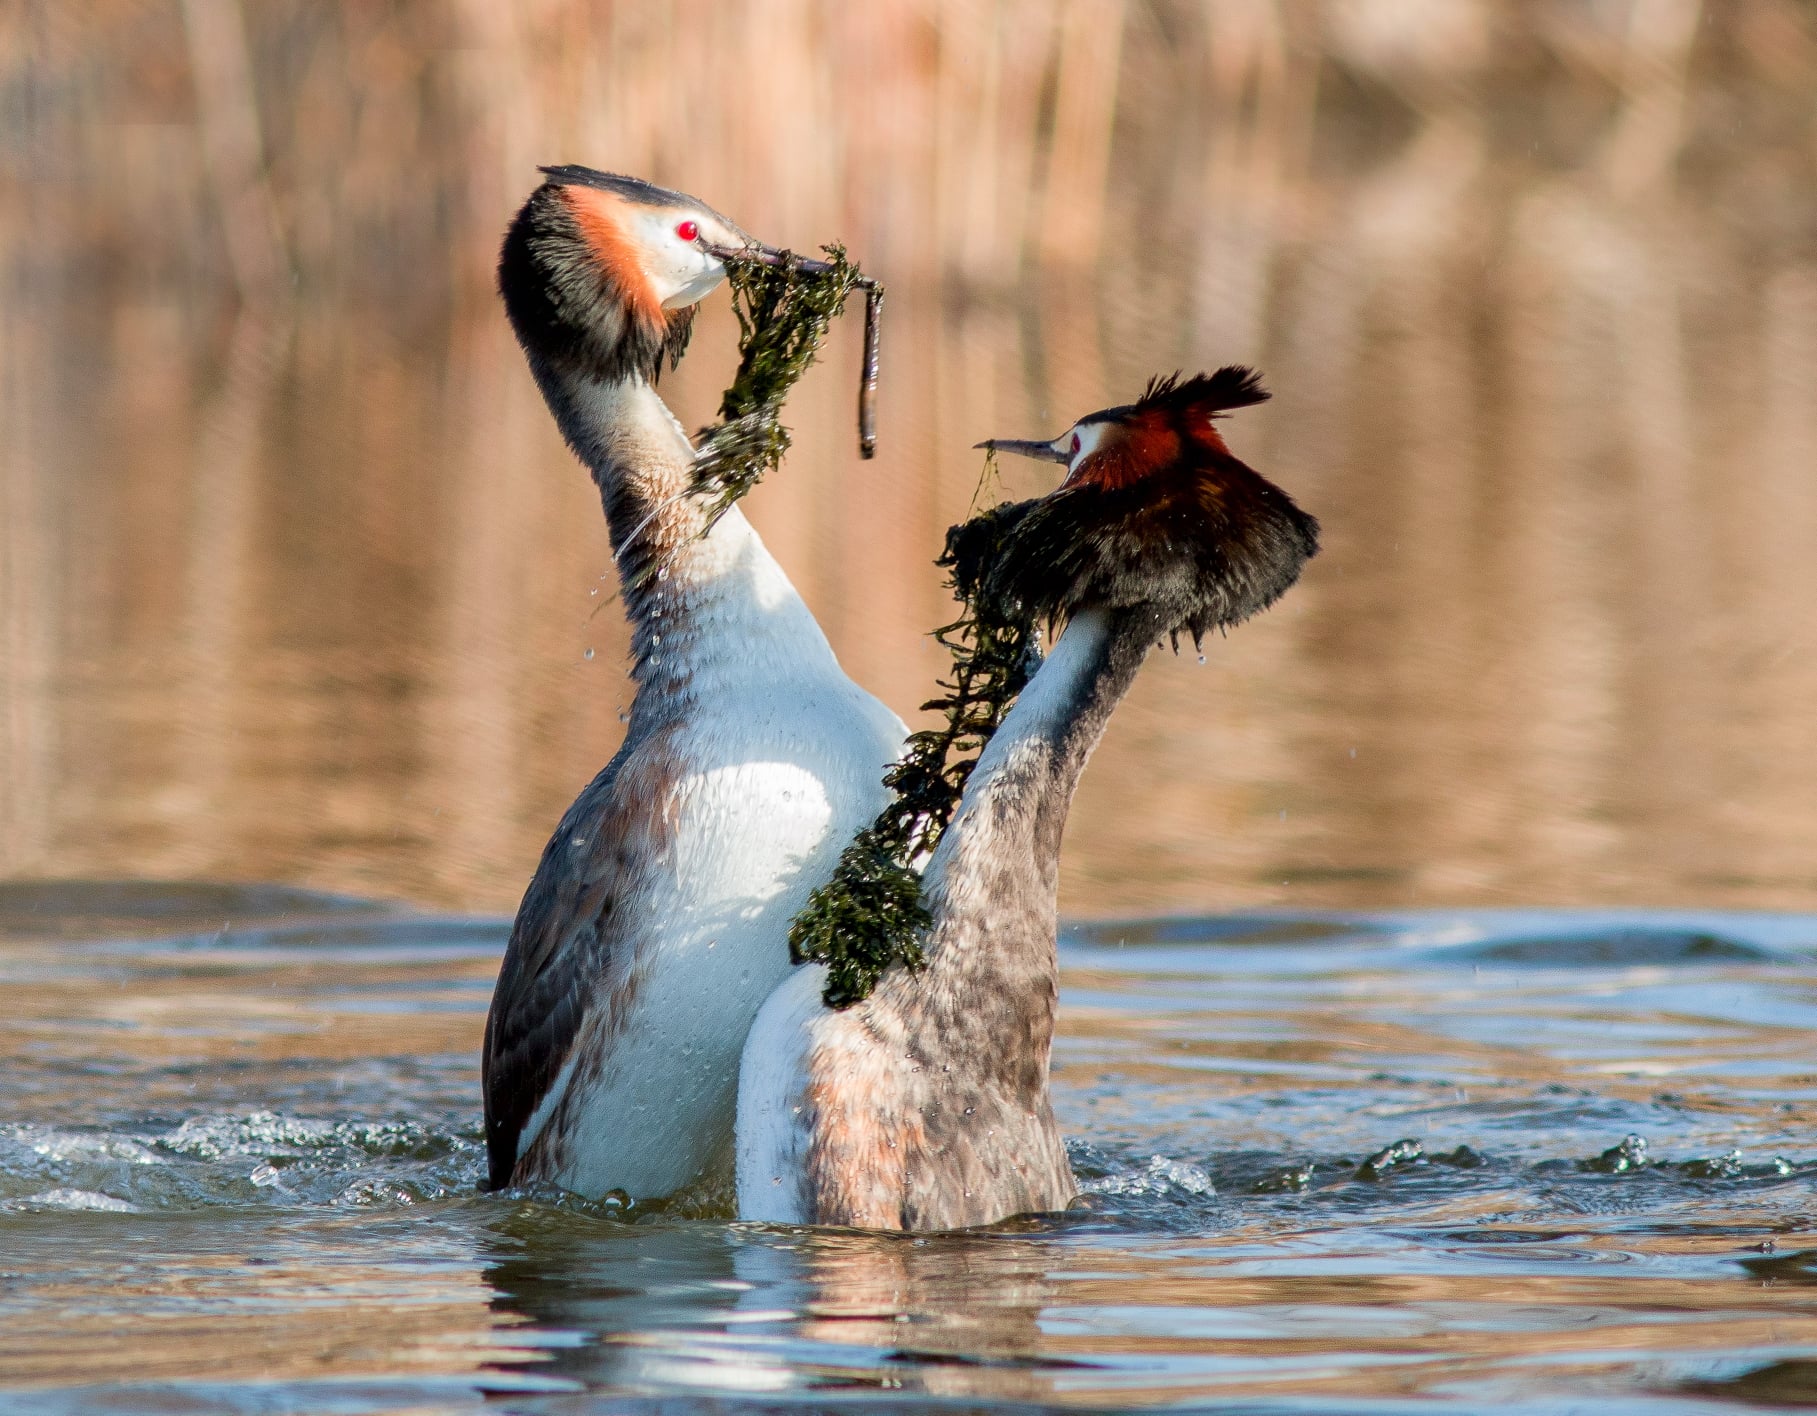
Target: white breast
(773, 1122)
(772, 760)
(756, 839)
(778, 764)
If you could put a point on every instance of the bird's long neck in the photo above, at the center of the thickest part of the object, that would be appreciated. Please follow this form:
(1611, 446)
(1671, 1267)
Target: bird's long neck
(987, 993)
(701, 606)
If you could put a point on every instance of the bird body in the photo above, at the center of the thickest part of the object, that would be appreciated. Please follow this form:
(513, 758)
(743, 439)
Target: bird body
(926, 1105)
(677, 872)
(657, 919)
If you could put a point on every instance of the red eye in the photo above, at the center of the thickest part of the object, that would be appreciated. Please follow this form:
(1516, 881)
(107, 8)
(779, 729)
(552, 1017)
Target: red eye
(688, 230)
(1075, 442)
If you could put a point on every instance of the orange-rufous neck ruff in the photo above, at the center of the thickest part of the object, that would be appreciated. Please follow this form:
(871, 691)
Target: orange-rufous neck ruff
(597, 218)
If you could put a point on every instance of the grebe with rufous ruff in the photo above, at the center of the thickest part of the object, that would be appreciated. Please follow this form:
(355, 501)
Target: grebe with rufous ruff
(925, 1105)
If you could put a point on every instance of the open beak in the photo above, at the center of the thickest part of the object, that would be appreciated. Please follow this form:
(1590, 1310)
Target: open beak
(1046, 451)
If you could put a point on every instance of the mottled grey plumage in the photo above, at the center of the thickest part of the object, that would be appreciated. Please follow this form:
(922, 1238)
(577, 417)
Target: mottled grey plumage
(951, 1063)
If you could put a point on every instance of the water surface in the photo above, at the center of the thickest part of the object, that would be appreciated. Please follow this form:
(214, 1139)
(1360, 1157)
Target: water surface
(1436, 1161)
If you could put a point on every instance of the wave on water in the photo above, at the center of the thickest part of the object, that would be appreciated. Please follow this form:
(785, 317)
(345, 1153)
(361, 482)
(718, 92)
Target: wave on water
(68, 1199)
(261, 1159)
(268, 1159)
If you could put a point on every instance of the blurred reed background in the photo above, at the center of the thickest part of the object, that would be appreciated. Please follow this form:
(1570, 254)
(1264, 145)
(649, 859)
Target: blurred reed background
(297, 581)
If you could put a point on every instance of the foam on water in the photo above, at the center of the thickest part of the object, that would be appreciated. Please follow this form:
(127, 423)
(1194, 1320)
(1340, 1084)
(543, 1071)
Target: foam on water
(67, 1199)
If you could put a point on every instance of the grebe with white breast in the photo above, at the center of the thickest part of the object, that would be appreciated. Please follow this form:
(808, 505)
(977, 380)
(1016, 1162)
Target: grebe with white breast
(657, 920)
(925, 1105)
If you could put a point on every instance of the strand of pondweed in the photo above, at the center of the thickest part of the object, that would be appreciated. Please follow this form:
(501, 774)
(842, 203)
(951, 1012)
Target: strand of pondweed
(783, 314)
(870, 914)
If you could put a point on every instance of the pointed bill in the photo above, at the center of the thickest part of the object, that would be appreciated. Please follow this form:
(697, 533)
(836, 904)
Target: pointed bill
(1046, 451)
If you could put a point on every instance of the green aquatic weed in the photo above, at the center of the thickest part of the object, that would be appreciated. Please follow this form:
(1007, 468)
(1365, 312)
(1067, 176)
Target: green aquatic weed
(870, 914)
(783, 313)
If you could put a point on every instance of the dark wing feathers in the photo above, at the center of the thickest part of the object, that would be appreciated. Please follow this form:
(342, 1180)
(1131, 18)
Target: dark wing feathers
(570, 939)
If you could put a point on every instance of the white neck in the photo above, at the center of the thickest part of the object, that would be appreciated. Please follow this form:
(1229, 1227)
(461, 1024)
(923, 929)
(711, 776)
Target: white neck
(1001, 853)
(1038, 721)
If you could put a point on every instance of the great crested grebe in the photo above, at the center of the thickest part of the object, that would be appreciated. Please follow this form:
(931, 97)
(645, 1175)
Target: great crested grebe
(925, 1105)
(657, 920)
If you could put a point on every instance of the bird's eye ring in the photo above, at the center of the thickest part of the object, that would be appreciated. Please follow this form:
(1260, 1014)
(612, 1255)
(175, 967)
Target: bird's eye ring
(1075, 446)
(688, 230)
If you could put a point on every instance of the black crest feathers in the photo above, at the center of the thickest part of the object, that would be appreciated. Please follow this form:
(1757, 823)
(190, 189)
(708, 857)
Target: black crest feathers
(1232, 386)
(632, 189)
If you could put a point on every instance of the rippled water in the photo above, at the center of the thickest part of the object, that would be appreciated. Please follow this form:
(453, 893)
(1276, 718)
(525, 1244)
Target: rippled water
(1437, 1161)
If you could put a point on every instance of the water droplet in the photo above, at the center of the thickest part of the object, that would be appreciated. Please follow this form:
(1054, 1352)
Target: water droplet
(663, 573)
(615, 1202)
(594, 590)
(588, 654)
(1201, 658)
(656, 639)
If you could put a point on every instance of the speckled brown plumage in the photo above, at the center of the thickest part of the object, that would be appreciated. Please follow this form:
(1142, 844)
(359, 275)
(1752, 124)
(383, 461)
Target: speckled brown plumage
(930, 1098)
(575, 943)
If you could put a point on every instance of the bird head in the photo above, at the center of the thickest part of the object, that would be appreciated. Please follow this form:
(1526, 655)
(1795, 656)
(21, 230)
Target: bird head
(601, 272)
(1156, 513)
